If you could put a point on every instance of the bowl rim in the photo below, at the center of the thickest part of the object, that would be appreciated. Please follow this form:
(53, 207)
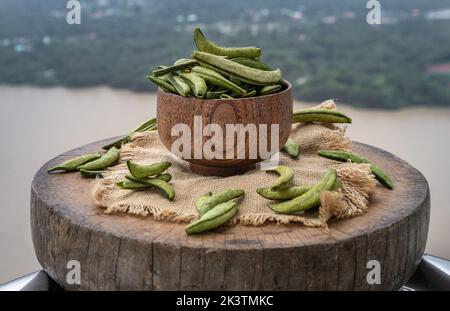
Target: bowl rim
(287, 89)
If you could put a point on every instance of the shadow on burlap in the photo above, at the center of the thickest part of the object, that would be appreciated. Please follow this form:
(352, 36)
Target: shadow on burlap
(352, 200)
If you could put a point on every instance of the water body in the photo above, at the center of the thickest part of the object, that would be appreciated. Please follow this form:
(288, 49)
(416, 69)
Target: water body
(38, 124)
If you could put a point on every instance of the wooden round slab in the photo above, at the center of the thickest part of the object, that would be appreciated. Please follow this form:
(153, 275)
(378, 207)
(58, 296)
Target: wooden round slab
(124, 252)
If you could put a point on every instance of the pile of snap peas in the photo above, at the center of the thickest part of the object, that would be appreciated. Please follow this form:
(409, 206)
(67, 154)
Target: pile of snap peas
(297, 199)
(148, 176)
(89, 165)
(214, 210)
(218, 72)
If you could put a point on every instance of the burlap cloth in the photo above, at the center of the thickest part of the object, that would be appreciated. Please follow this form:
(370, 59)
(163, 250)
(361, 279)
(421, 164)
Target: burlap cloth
(351, 200)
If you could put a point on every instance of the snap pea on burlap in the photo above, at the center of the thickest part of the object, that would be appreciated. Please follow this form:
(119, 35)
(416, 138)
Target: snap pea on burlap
(91, 174)
(74, 163)
(145, 170)
(214, 218)
(106, 160)
(291, 148)
(207, 204)
(282, 194)
(320, 115)
(199, 204)
(205, 45)
(246, 74)
(157, 183)
(217, 79)
(286, 174)
(140, 184)
(345, 156)
(309, 199)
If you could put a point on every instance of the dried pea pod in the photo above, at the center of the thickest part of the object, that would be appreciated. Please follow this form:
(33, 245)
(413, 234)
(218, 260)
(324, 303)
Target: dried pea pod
(74, 163)
(226, 96)
(146, 126)
(345, 156)
(157, 183)
(131, 185)
(91, 174)
(175, 67)
(292, 148)
(200, 202)
(217, 79)
(309, 199)
(246, 74)
(141, 185)
(196, 83)
(106, 160)
(215, 94)
(166, 86)
(145, 170)
(205, 45)
(250, 62)
(270, 89)
(282, 194)
(219, 198)
(320, 115)
(213, 218)
(182, 87)
(286, 174)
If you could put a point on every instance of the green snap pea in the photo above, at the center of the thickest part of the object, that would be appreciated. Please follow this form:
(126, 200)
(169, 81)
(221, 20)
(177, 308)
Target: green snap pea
(270, 89)
(146, 126)
(292, 148)
(199, 204)
(309, 199)
(182, 87)
(215, 94)
(345, 156)
(205, 45)
(213, 218)
(157, 183)
(282, 194)
(286, 174)
(196, 83)
(175, 67)
(131, 185)
(250, 62)
(251, 93)
(226, 96)
(141, 185)
(145, 170)
(246, 74)
(106, 160)
(217, 79)
(219, 198)
(74, 163)
(320, 115)
(164, 85)
(91, 174)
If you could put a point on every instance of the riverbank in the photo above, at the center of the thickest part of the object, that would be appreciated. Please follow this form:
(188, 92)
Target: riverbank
(37, 124)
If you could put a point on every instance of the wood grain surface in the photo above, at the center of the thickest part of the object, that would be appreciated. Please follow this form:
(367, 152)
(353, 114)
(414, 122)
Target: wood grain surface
(124, 252)
(173, 109)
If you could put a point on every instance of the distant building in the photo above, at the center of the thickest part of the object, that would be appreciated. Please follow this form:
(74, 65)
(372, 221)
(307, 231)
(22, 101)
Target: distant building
(442, 14)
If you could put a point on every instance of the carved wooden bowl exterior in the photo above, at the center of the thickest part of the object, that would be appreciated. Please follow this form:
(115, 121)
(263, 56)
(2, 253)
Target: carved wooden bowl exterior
(271, 109)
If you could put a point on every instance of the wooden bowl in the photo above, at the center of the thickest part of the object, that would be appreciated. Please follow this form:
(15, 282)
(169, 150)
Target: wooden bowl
(173, 109)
